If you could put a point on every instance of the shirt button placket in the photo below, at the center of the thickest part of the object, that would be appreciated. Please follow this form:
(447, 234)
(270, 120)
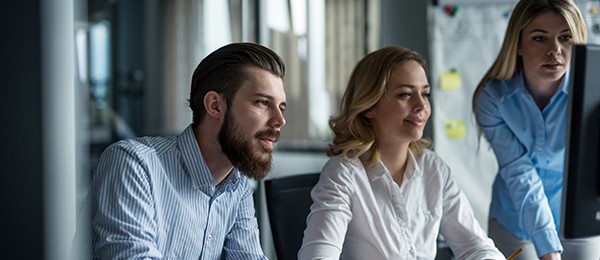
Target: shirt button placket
(540, 133)
(412, 252)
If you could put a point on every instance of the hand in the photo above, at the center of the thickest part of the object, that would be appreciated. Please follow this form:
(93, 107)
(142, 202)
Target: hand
(551, 256)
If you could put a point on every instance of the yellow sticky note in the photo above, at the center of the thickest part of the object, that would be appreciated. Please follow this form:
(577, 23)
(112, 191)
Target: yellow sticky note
(450, 80)
(455, 129)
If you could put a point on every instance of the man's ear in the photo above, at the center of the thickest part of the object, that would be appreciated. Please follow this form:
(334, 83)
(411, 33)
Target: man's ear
(214, 104)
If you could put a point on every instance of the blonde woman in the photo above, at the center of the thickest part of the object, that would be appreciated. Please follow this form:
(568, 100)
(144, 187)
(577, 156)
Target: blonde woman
(520, 107)
(383, 194)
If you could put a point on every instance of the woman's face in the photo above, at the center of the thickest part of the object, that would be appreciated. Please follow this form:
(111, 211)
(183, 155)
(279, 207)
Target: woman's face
(545, 48)
(400, 115)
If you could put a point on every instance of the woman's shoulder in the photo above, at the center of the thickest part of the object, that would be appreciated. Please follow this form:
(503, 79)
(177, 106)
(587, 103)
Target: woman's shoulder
(432, 163)
(431, 156)
(496, 87)
(499, 88)
(341, 172)
(341, 163)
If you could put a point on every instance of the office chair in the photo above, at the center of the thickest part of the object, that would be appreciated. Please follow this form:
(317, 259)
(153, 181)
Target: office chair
(288, 204)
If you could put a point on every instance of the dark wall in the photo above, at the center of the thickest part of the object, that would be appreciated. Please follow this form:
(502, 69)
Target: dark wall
(21, 191)
(129, 62)
(404, 23)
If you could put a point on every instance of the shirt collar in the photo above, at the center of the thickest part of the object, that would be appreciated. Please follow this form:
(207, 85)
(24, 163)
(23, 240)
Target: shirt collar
(232, 179)
(412, 169)
(194, 163)
(517, 83)
(564, 85)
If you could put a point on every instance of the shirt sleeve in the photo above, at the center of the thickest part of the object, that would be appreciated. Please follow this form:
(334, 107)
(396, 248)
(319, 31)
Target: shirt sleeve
(458, 225)
(516, 169)
(242, 242)
(123, 208)
(330, 214)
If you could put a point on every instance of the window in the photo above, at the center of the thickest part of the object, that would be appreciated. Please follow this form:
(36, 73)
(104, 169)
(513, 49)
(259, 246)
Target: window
(151, 48)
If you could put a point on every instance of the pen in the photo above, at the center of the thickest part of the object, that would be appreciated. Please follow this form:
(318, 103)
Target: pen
(515, 254)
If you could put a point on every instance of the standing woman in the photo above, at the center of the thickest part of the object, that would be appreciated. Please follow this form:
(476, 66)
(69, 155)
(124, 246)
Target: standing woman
(383, 194)
(520, 106)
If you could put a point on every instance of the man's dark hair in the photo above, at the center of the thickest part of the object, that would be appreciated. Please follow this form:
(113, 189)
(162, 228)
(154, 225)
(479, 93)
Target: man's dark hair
(225, 69)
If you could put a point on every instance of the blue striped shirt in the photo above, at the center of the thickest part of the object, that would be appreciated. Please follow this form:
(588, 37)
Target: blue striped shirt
(529, 145)
(154, 198)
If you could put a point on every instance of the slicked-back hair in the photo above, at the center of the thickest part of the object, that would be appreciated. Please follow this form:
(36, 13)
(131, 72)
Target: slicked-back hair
(225, 70)
(353, 134)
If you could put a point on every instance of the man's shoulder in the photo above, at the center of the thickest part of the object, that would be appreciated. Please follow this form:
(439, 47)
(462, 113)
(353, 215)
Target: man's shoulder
(145, 145)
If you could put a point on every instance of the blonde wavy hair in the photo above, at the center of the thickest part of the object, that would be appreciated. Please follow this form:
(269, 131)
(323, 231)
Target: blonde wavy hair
(508, 63)
(353, 133)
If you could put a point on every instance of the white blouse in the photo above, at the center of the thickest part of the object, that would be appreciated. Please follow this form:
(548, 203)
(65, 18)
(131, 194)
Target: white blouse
(361, 213)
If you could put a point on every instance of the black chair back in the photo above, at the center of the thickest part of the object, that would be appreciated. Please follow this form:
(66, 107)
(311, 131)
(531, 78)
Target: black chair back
(288, 204)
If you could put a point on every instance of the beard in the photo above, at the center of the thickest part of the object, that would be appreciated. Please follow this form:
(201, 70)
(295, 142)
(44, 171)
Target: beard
(241, 152)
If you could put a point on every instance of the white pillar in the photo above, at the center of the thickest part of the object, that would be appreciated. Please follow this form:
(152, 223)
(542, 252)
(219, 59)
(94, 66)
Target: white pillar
(59, 127)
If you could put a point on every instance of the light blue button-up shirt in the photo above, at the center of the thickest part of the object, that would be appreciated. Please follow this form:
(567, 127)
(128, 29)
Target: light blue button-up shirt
(529, 145)
(154, 198)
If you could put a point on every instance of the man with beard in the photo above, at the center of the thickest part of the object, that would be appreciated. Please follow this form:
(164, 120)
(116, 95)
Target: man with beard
(189, 196)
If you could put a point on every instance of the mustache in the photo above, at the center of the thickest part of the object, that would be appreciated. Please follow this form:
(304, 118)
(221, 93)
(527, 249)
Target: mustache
(274, 134)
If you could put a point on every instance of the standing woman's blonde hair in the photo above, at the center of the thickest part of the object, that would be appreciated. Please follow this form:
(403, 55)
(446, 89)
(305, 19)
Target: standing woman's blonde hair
(352, 130)
(508, 63)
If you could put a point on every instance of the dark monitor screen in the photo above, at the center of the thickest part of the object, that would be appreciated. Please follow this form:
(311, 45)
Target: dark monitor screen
(581, 190)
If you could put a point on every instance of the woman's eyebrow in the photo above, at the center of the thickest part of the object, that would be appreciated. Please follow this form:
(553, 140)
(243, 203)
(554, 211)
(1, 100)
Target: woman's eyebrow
(544, 31)
(411, 86)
